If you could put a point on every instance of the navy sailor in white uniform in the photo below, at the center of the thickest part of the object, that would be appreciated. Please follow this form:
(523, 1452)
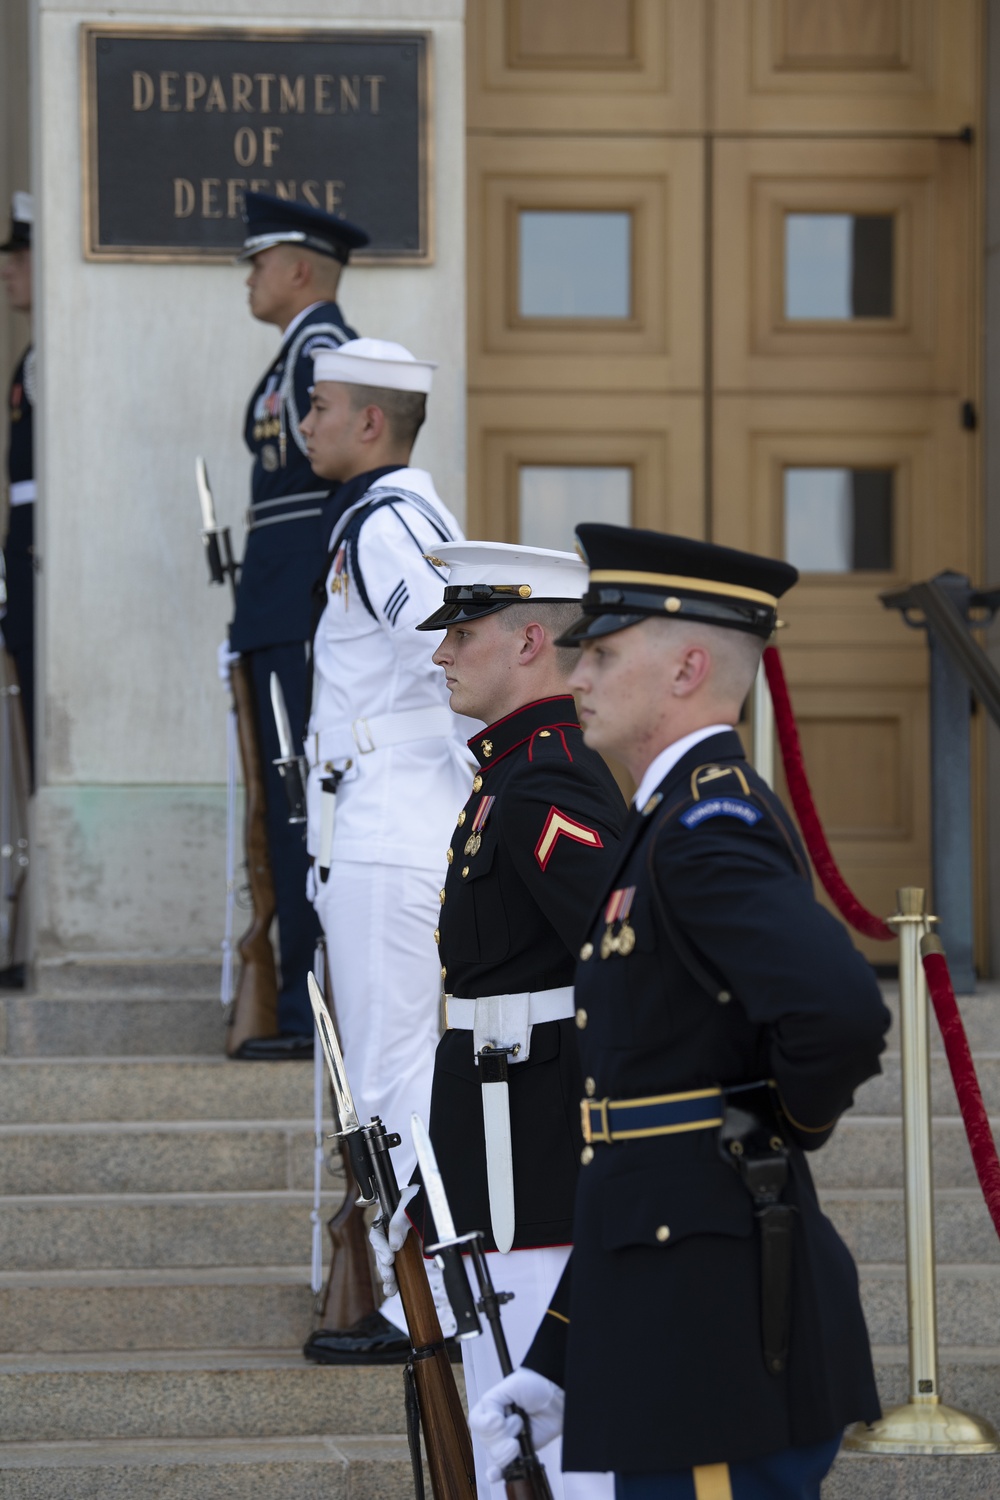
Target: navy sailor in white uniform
(388, 764)
(297, 254)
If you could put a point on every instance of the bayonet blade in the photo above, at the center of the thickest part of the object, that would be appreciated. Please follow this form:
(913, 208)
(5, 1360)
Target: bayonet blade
(430, 1174)
(281, 723)
(208, 521)
(343, 1098)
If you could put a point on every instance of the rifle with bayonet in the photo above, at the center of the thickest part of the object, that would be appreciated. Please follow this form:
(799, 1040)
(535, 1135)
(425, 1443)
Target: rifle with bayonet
(525, 1478)
(254, 1008)
(348, 1295)
(429, 1372)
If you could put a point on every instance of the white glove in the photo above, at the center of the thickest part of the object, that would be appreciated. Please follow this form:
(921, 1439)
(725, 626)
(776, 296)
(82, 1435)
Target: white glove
(496, 1426)
(385, 1245)
(224, 660)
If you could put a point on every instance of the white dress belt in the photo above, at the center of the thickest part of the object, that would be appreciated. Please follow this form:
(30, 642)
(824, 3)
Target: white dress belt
(543, 1005)
(501, 1027)
(23, 491)
(378, 733)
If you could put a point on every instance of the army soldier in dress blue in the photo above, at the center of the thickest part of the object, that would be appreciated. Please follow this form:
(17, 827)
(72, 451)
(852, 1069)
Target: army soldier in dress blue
(532, 850)
(297, 254)
(708, 1333)
(19, 547)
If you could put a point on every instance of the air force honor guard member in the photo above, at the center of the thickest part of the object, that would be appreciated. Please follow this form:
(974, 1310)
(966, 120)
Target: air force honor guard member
(530, 853)
(711, 1340)
(386, 755)
(297, 254)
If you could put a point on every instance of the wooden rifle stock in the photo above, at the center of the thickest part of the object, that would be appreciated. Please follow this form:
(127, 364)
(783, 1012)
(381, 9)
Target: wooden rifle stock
(254, 1011)
(348, 1295)
(446, 1432)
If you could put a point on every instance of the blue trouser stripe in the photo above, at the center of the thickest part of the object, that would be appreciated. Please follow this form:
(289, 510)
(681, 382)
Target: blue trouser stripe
(793, 1474)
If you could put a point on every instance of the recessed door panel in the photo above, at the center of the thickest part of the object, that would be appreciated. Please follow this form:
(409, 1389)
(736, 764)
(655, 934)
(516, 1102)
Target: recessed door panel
(842, 266)
(588, 263)
(610, 66)
(658, 440)
(861, 66)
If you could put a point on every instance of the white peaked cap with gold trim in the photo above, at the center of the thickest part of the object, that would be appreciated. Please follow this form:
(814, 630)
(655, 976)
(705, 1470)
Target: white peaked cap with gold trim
(375, 362)
(484, 577)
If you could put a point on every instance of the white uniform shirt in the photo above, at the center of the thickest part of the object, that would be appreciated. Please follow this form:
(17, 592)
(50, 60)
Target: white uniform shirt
(396, 805)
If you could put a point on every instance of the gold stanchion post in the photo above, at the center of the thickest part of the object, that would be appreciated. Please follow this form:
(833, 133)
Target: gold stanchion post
(924, 1424)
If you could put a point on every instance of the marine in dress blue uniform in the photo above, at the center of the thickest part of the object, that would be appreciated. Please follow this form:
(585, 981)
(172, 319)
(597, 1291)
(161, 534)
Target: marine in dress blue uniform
(19, 545)
(724, 1021)
(288, 524)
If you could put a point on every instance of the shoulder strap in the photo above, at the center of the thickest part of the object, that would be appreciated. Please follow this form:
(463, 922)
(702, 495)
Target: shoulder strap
(351, 533)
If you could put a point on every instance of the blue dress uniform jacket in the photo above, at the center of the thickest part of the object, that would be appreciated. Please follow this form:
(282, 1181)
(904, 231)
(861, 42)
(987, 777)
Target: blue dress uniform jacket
(512, 920)
(289, 522)
(655, 1331)
(19, 549)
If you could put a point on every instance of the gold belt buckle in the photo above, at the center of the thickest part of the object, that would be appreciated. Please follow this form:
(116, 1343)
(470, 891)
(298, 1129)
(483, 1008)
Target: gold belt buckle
(587, 1124)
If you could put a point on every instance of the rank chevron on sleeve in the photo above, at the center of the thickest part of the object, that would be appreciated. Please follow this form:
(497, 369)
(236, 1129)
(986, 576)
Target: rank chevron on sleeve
(558, 823)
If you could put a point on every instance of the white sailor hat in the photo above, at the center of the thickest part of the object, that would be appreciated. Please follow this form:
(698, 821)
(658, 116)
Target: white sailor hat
(484, 577)
(376, 362)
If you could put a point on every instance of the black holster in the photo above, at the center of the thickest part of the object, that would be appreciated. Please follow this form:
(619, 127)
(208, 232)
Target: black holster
(751, 1141)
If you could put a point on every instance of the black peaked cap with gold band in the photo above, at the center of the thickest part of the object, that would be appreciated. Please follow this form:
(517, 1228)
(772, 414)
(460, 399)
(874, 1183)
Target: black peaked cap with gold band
(638, 575)
(484, 577)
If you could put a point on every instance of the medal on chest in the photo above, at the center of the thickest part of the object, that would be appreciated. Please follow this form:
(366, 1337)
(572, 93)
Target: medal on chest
(616, 915)
(338, 583)
(475, 839)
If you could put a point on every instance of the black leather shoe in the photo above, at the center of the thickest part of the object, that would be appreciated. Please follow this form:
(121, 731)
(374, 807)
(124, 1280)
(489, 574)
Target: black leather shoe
(275, 1049)
(373, 1340)
(12, 978)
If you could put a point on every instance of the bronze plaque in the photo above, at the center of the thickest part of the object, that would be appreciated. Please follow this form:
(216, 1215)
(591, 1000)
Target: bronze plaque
(179, 121)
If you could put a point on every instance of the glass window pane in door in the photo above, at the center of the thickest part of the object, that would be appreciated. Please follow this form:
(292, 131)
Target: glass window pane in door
(838, 267)
(554, 500)
(839, 520)
(575, 265)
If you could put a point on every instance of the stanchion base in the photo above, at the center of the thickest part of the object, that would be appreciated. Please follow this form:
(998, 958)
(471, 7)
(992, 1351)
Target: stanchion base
(923, 1427)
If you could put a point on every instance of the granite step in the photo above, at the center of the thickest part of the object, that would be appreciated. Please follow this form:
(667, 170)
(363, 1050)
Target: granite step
(156, 1157)
(221, 1393)
(271, 1307)
(870, 1220)
(980, 1015)
(85, 1026)
(176, 1156)
(968, 1304)
(67, 1090)
(91, 1312)
(867, 1151)
(297, 1468)
(883, 1095)
(105, 977)
(858, 1476)
(55, 1232)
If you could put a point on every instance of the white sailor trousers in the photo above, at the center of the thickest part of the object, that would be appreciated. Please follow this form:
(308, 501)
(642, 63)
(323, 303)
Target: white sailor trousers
(379, 923)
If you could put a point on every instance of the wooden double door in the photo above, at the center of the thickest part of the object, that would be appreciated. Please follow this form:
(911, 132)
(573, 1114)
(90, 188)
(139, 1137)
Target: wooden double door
(724, 279)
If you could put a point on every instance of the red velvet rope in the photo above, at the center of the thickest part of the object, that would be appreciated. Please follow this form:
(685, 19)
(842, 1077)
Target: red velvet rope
(956, 1043)
(963, 1073)
(836, 886)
